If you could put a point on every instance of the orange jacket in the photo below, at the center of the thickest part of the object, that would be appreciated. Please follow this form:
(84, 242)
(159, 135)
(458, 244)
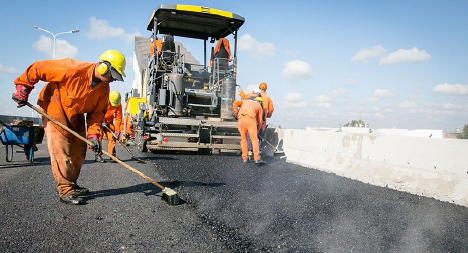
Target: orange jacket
(248, 108)
(68, 95)
(158, 47)
(267, 102)
(225, 42)
(114, 113)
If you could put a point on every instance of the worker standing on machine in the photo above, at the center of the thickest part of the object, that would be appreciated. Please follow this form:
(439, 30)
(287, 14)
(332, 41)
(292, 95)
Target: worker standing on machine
(74, 88)
(250, 118)
(113, 121)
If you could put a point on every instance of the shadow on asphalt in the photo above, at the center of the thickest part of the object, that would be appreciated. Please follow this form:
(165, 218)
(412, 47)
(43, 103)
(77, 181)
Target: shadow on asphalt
(16, 164)
(107, 160)
(159, 158)
(194, 184)
(147, 189)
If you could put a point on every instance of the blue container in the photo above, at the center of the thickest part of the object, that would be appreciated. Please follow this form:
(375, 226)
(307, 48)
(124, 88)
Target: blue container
(14, 135)
(22, 136)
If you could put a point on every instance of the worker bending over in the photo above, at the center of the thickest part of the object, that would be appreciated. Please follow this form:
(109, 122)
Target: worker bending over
(267, 107)
(250, 118)
(113, 121)
(74, 88)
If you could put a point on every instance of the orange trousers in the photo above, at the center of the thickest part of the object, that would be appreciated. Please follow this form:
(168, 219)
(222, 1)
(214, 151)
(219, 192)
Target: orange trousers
(128, 127)
(247, 124)
(110, 141)
(66, 157)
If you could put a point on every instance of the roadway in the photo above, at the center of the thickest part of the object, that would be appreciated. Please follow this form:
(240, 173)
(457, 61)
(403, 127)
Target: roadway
(228, 207)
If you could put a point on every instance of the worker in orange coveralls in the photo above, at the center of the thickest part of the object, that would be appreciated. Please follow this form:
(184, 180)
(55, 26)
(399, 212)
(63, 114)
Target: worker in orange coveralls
(250, 118)
(113, 121)
(153, 47)
(74, 88)
(267, 107)
(222, 52)
(128, 129)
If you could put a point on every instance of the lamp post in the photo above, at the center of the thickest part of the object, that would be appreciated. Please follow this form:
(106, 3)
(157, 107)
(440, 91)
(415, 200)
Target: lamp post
(54, 36)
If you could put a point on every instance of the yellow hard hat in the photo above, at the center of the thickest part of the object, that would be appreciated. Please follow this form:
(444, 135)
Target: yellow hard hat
(114, 98)
(116, 59)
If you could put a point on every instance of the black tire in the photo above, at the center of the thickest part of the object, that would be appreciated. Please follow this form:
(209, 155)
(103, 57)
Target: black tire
(9, 153)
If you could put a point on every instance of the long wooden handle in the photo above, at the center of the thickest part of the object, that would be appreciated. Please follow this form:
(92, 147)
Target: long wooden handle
(271, 145)
(40, 111)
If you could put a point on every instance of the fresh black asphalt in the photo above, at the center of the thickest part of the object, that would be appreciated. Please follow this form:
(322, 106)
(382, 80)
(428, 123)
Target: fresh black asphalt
(228, 207)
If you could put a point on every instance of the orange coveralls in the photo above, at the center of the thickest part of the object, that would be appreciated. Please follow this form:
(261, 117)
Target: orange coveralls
(66, 97)
(128, 127)
(267, 107)
(113, 118)
(250, 117)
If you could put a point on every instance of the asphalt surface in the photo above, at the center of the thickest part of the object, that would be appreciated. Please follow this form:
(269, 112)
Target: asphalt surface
(227, 206)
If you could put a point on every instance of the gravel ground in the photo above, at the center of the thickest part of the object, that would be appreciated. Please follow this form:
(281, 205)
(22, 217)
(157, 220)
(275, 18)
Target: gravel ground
(228, 207)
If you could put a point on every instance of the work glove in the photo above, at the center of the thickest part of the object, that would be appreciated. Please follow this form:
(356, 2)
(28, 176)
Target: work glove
(104, 124)
(96, 147)
(22, 94)
(118, 136)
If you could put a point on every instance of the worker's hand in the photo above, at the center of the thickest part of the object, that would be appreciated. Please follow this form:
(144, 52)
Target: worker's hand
(22, 94)
(118, 136)
(96, 147)
(104, 124)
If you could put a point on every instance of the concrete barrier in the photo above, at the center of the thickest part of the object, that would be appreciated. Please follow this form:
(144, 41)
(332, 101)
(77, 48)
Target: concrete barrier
(428, 167)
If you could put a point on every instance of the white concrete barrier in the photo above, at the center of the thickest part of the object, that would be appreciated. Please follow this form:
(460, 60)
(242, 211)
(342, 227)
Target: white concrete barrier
(429, 167)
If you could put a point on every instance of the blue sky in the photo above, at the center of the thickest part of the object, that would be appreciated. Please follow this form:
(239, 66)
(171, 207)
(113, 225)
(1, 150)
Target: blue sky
(400, 64)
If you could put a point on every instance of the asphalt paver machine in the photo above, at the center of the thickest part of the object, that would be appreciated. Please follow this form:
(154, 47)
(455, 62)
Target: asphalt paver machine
(180, 103)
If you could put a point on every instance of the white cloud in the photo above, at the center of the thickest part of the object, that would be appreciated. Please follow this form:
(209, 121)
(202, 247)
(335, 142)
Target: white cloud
(8, 70)
(408, 105)
(63, 49)
(405, 55)
(449, 106)
(332, 97)
(294, 100)
(373, 99)
(101, 30)
(383, 93)
(322, 99)
(451, 90)
(251, 87)
(349, 81)
(325, 105)
(338, 92)
(364, 54)
(297, 70)
(257, 49)
(378, 115)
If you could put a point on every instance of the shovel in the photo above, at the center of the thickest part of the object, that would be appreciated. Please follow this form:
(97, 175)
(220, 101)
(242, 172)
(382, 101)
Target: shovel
(277, 152)
(169, 195)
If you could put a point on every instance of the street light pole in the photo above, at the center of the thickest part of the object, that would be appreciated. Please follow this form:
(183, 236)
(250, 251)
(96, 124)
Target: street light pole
(54, 36)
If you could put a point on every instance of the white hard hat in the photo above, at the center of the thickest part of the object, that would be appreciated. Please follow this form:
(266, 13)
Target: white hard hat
(256, 91)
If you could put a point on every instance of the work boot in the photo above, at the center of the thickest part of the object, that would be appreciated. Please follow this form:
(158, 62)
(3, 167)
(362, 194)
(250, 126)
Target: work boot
(250, 154)
(72, 200)
(81, 191)
(99, 159)
(111, 160)
(259, 162)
